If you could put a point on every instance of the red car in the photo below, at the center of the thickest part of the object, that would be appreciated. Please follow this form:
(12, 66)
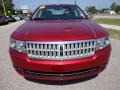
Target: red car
(59, 42)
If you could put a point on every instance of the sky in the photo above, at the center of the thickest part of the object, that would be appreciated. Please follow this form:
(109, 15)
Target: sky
(33, 4)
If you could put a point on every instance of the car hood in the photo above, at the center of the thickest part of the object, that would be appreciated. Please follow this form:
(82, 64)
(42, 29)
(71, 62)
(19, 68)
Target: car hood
(59, 30)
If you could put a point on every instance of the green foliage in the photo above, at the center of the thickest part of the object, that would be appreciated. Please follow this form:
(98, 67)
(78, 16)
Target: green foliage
(18, 11)
(109, 21)
(91, 9)
(114, 33)
(103, 10)
(9, 7)
(117, 9)
(113, 6)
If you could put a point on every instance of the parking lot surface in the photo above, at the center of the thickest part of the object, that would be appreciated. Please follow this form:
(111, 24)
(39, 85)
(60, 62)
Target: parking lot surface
(10, 80)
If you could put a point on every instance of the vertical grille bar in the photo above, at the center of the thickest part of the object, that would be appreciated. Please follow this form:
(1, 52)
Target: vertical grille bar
(61, 50)
(76, 49)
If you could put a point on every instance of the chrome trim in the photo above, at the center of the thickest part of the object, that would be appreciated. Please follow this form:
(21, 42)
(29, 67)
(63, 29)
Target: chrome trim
(63, 50)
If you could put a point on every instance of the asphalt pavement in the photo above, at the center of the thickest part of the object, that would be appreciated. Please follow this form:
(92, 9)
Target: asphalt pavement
(10, 80)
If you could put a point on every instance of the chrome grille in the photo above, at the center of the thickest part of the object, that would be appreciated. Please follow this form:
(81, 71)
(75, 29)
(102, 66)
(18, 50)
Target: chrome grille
(61, 50)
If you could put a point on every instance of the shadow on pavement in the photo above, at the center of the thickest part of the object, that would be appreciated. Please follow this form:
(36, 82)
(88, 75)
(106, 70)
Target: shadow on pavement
(61, 82)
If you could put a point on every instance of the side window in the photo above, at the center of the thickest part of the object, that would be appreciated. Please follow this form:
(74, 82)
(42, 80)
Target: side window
(77, 13)
(39, 14)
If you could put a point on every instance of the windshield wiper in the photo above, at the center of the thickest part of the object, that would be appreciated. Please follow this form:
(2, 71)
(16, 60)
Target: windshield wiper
(73, 18)
(38, 19)
(57, 18)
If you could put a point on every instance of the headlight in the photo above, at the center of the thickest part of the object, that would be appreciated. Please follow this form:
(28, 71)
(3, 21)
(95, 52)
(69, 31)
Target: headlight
(103, 42)
(18, 45)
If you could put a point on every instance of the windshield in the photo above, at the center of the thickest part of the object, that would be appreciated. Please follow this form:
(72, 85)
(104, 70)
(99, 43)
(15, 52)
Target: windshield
(58, 12)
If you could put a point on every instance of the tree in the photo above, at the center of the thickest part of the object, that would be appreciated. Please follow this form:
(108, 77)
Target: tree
(9, 6)
(91, 9)
(103, 10)
(113, 6)
(18, 11)
(117, 9)
(1, 7)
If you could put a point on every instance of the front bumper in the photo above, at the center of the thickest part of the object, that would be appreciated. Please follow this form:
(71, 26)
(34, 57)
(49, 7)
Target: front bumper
(58, 69)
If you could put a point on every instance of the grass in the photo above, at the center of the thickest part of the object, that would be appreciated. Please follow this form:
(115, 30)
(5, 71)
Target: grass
(108, 21)
(114, 33)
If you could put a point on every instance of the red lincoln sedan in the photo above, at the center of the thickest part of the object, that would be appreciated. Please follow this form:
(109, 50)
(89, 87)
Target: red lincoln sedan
(59, 42)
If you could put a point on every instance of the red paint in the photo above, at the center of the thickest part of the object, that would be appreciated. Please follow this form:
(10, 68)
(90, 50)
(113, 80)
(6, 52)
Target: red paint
(54, 30)
(59, 30)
